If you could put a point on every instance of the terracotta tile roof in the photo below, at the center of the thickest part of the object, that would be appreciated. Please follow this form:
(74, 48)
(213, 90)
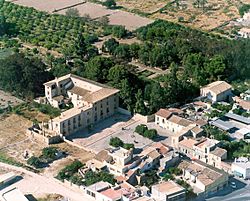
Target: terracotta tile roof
(99, 95)
(218, 152)
(205, 175)
(162, 148)
(164, 113)
(197, 130)
(200, 122)
(244, 104)
(120, 179)
(79, 91)
(154, 154)
(112, 194)
(179, 120)
(218, 87)
(175, 110)
(189, 143)
(58, 98)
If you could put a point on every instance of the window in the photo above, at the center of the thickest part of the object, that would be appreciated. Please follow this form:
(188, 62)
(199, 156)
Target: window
(107, 102)
(101, 105)
(95, 108)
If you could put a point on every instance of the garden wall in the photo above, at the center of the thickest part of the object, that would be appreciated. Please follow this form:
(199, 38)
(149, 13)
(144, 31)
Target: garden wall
(45, 139)
(146, 119)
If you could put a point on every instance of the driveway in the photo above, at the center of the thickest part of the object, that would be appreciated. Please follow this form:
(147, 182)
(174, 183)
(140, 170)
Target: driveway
(38, 185)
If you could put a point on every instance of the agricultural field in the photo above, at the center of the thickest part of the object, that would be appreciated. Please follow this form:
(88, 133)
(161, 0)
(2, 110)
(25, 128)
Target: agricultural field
(208, 17)
(94, 11)
(116, 17)
(47, 5)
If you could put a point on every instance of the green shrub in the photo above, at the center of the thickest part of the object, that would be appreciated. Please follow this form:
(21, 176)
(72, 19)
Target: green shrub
(93, 177)
(35, 162)
(140, 129)
(49, 153)
(244, 9)
(116, 142)
(151, 134)
(128, 146)
(69, 170)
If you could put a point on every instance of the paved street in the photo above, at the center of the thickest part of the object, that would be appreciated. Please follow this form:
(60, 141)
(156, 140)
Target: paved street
(38, 185)
(241, 193)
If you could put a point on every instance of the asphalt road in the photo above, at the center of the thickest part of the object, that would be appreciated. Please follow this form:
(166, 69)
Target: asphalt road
(241, 193)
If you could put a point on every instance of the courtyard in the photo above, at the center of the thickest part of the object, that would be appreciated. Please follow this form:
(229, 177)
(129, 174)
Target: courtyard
(121, 126)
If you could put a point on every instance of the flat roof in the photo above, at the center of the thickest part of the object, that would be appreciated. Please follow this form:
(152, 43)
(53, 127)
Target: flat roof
(168, 187)
(14, 195)
(6, 176)
(242, 162)
(99, 186)
(237, 117)
(223, 125)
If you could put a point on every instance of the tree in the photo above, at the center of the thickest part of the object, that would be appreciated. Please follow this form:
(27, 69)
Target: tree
(116, 74)
(3, 25)
(81, 46)
(215, 67)
(122, 52)
(34, 161)
(150, 134)
(18, 72)
(116, 142)
(141, 129)
(110, 45)
(49, 153)
(126, 94)
(119, 31)
(97, 68)
(139, 105)
(156, 98)
(72, 12)
(110, 3)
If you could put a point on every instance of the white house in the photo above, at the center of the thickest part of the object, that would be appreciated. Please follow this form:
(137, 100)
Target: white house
(241, 167)
(217, 91)
(168, 190)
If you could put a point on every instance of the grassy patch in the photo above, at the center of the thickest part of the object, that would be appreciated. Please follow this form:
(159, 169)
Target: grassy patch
(9, 160)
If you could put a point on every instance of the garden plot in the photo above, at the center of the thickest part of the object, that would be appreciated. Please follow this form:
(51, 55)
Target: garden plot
(148, 6)
(116, 17)
(92, 10)
(48, 5)
(129, 20)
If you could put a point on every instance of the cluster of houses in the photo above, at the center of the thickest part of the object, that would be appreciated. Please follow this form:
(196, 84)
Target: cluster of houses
(201, 159)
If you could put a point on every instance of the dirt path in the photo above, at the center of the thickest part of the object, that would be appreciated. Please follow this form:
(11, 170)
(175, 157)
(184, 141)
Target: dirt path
(39, 185)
